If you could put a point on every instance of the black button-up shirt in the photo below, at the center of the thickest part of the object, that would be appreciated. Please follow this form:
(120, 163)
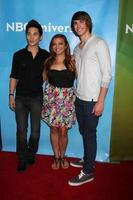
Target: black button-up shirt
(28, 71)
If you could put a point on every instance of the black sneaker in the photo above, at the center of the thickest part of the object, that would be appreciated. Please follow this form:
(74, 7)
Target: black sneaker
(21, 166)
(77, 163)
(81, 179)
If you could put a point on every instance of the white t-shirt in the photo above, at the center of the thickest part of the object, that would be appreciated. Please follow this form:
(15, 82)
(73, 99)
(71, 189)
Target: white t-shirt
(93, 65)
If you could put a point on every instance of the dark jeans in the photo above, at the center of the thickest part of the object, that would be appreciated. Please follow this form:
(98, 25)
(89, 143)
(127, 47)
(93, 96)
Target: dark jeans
(26, 106)
(87, 126)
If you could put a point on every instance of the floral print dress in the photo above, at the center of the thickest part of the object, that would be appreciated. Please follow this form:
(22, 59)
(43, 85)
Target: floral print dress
(58, 105)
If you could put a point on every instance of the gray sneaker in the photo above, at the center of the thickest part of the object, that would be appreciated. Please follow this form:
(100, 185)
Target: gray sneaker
(77, 163)
(81, 179)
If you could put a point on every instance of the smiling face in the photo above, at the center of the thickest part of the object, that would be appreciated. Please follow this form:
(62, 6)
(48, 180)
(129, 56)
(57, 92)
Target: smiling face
(58, 46)
(33, 37)
(80, 28)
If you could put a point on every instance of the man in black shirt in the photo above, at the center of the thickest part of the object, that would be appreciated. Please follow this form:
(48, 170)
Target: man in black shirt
(26, 81)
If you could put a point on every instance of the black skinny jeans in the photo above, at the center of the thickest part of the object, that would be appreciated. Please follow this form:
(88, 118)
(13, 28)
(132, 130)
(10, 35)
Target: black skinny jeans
(26, 106)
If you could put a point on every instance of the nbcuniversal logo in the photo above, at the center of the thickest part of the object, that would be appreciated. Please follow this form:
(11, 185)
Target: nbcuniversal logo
(129, 29)
(19, 27)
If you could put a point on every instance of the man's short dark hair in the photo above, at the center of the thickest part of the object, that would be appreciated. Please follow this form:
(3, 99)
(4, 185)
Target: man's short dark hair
(81, 15)
(34, 23)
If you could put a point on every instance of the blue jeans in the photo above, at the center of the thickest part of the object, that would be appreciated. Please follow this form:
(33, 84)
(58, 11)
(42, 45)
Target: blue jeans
(87, 126)
(26, 106)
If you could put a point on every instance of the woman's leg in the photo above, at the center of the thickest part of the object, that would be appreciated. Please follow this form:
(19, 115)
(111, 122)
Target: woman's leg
(54, 138)
(63, 141)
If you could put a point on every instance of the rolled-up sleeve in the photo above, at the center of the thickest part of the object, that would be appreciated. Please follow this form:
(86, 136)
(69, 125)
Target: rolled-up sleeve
(105, 63)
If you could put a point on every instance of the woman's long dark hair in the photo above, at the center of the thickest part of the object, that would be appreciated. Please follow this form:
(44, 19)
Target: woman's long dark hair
(68, 61)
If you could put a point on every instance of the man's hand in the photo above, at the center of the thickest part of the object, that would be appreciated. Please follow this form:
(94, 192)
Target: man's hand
(12, 102)
(98, 108)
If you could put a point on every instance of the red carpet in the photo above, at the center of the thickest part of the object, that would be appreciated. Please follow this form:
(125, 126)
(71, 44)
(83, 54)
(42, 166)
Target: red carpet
(40, 182)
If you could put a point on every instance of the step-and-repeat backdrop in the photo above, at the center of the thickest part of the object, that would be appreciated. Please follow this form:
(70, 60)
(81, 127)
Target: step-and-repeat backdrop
(55, 17)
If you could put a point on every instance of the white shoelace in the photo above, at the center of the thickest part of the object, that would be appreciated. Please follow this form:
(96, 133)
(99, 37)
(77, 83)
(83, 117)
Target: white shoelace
(81, 174)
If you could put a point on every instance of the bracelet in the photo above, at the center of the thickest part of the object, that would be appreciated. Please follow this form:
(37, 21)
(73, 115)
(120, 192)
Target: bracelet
(11, 94)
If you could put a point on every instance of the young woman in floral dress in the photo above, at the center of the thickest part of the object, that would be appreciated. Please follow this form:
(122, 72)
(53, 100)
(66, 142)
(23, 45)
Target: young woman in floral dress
(58, 103)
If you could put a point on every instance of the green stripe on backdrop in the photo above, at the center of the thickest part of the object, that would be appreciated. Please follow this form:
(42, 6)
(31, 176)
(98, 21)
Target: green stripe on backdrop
(121, 147)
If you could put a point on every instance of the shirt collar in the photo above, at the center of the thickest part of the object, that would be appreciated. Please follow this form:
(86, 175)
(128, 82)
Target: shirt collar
(26, 48)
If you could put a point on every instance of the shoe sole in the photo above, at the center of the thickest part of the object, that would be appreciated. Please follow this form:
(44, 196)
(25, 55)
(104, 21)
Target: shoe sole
(78, 184)
(74, 165)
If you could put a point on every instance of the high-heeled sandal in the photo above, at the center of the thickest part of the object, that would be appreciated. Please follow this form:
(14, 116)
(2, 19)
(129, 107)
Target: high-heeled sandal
(64, 163)
(56, 164)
